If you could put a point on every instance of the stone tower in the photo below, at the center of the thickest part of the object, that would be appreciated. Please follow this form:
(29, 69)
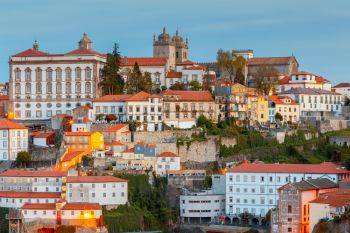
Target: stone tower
(85, 42)
(165, 47)
(181, 48)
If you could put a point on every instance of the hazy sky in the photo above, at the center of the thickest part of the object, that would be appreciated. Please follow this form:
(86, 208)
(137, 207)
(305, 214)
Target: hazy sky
(317, 32)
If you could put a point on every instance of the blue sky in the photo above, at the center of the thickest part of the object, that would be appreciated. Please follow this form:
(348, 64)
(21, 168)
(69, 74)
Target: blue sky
(317, 32)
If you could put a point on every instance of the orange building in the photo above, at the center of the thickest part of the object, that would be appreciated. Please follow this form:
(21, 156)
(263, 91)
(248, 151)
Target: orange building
(70, 159)
(87, 141)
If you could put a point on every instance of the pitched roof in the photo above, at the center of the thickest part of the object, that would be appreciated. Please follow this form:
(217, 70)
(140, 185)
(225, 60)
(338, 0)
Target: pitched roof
(71, 155)
(196, 67)
(310, 184)
(270, 60)
(189, 96)
(83, 51)
(115, 128)
(93, 179)
(31, 53)
(112, 98)
(11, 194)
(309, 91)
(173, 74)
(340, 85)
(44, 135)
(78, 133)
(22, 173)
(185, 63)
(279, 100)
(143, 61)
(30, 206)
(142, 96)
(7, 124)
(337, 198)
(81, 206)
(167, 154)
(286, 79)
(323, 168)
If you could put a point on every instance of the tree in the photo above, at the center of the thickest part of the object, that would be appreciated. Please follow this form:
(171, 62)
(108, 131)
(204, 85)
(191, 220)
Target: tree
(232, 65)
(23, 157)
(178, 86)
(279, 117)
(265, 79)
(111, 81)
(195, 86)
(136, 81)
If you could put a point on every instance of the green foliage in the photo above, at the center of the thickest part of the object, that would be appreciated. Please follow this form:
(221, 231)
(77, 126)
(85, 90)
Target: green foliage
(133, 125)
(23, 157)
(178, 86)
(4, 227)
(111, 81)
(208, 182)
(265, 79)
(231, 65)
(279, 117)
(195, 86)
(136, 81)
(87, 161)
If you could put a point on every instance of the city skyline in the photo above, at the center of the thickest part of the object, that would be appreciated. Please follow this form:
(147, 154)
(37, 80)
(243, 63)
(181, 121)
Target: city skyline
(306, 30)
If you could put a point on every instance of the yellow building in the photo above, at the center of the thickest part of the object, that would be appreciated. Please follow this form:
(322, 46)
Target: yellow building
(70, 159)
(262, 111)
(87, 141)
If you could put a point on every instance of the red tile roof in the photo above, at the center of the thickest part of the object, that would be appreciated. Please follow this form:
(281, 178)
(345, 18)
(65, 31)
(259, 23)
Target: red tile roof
(340, 85)
(44, 135)
(112, 98)
(174, 74)
(78, 133)
(142, 96)
(93, 179)
(190, 96)
(71, 155)
(81, 206)
(279, 100)
(323, 168)
(144, 61)
(196, 67)
(167, 154)
(21, 173)
(11, 194)
(84, 120)
(31, 53)
(269, 60)
(115, 144)
(130, 150)
(337, 198)
(286, 79)
(83, 51)
(7, 124)
(185, 63)
(4, 97)
(30, 206)
(115, 128)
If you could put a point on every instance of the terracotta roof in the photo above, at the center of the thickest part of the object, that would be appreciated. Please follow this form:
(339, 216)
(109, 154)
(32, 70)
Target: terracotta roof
(30, 206)
(309, 91)
(151, 146)
(4, 97)
(86, 107)
(115, 128)
(31, 53)
(279, 100)
(174, 74)
(269, 60)
(167, 154)
(323, 168)
(311, 184)
(84, 120)
(337, 198)
(303, 73)
(112, 98)
(340, 85)
(93, 179)
(130, 150)
(11, 194)
(196, 67)
(115, 144)
(81, 206)
(21, 173)
(190, 96)
(83, 51)
(44, 135)
(286, 79)
(71, 155)
(144, 61)
(142, 96)
(185, 63)
(7, 124)
(78, 133)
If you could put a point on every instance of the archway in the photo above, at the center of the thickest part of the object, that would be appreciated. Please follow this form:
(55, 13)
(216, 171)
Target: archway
(255, 222)
(227, 220)
(235, 221)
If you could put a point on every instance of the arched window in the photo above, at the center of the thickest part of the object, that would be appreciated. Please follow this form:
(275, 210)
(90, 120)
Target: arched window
(58, 88)
(38, 88)
(18, 88)
(68, 88)
(68, 74)
(28, 88)
(87, 87)
(38, 74)
(87, 73)
(28, 75)
(49, 74)
(17, 75)
(77, 73)
(49, 88)
(78, 87)
(58, 74)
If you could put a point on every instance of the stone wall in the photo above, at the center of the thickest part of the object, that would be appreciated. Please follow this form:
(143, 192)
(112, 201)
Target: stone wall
(333, 125)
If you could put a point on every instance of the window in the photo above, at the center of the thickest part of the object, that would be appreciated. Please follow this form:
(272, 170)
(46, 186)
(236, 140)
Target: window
(49, 88)
(58, 74)
(77, 73)
(68, 88)
(262, 179)
(87, 73)
(58, 88)
(68, 74)
(104, 195)
(18, 88)
(28, 88)
(289, 229)
(78, 87)
(38, 75)
(28, 74)
(289, 209)
(87, 87)
(49, 74)
(17, 75)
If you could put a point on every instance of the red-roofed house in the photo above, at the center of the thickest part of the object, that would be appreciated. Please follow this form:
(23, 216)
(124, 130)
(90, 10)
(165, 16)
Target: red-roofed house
(167, 161)
(110, 104)
(253, 187)
(284, 105)
(342, 88)
(13, 199)
(88, 141)
(182, 108)
(14, 138)
(44, 139)
(117, 133)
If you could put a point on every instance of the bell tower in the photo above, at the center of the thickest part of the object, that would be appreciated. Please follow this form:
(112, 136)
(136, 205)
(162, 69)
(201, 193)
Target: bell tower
(85, 42)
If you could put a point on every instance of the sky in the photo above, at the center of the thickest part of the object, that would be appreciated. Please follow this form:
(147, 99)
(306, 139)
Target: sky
(317, 32)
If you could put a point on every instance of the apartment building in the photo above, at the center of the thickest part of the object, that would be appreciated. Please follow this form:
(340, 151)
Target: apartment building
(88, 141)
(284, 105)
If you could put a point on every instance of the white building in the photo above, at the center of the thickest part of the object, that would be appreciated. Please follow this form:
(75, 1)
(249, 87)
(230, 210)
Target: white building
(342, 88)
(316, 103)
(10, 199)
(204, 206)
(110, 104)
(13, 139)
(106, 190)
(253, 188)
(167, 161)
(82, 124)
(43, 84)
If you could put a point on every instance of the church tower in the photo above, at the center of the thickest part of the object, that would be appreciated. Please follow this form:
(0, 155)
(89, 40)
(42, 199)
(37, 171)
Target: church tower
(165, 47)
(85, 42)
(181, 48)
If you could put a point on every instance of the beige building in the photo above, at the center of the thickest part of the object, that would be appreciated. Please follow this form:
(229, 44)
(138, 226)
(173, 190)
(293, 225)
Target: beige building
(182, 108)
(287, 107)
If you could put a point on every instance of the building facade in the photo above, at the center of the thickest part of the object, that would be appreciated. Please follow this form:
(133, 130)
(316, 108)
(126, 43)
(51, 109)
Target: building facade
(286, 107)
